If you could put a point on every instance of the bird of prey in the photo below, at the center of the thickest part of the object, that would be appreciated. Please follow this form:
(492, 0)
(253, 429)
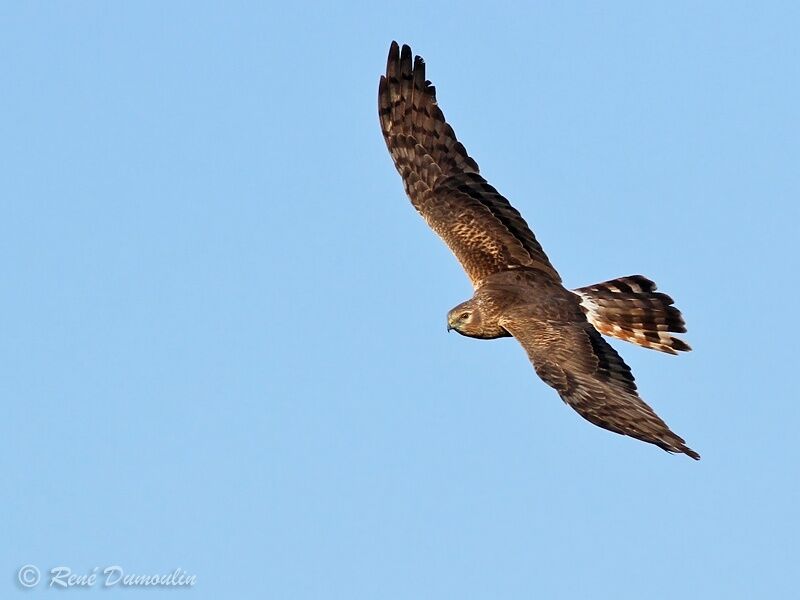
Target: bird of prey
(518, 292)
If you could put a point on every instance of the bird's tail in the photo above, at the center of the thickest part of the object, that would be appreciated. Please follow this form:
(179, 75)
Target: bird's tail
(630, 308)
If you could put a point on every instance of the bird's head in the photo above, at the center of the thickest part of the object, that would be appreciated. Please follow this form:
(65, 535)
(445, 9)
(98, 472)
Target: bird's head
(465, 319)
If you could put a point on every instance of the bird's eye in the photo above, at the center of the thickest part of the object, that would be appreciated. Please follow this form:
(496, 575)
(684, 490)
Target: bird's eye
(464, 316)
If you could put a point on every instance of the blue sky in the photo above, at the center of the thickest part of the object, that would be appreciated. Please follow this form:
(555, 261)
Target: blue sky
(223, 325)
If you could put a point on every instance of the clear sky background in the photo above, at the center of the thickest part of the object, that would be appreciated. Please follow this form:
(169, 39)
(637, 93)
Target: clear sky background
(223, 324)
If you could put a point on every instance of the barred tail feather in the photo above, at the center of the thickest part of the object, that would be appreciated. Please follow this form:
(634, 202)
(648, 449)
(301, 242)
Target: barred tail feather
(630, 308)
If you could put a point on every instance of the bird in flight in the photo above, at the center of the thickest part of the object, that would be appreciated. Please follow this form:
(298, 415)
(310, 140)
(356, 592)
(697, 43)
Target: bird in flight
(517, 291)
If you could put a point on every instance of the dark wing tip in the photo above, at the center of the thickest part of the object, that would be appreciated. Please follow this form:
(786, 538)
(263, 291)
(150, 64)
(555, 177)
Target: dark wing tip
(672, 444)
(406, 61)
(677, 445)
(392, 59)
(400, 59)
(419, 73)
(691, 453)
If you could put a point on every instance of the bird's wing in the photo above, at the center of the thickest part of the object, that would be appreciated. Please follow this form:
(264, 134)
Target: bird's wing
(589, 375)
(480, 226)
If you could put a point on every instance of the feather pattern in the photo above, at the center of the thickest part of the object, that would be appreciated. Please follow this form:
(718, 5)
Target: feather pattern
(486, 234)
(630, 308)
(571, 357)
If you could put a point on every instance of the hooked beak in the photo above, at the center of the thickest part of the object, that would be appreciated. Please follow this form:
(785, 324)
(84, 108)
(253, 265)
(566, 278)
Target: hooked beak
(449, 329)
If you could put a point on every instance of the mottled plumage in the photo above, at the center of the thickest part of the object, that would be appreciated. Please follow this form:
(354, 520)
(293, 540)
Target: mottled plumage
(518, 292)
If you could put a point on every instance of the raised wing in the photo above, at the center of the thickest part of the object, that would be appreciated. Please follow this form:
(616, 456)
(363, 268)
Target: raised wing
(590, 376)
(486, 234)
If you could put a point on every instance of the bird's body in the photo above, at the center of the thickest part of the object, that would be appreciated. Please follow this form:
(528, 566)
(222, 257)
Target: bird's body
(517, 290)
(508, 291)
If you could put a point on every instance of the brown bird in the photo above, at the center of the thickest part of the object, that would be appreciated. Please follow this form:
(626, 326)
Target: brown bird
(517, 291)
